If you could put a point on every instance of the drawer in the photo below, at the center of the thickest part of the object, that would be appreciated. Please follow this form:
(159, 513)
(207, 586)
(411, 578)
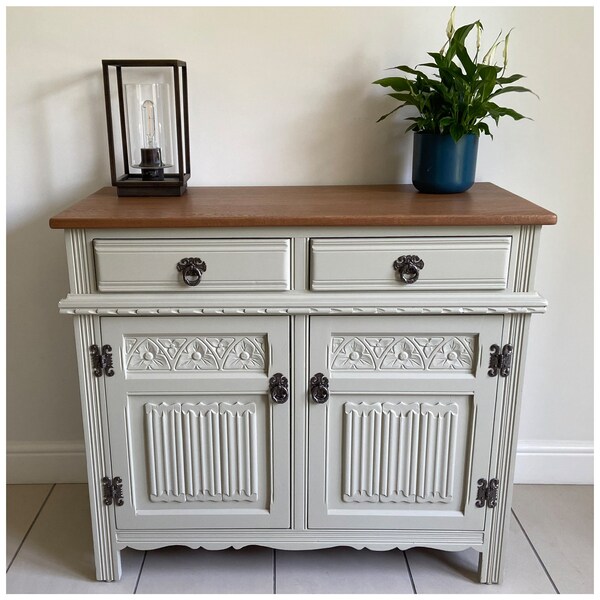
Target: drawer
(150, 265)
(449, 263)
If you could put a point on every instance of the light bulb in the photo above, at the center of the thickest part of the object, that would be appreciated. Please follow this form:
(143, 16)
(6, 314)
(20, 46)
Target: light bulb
(149, 123)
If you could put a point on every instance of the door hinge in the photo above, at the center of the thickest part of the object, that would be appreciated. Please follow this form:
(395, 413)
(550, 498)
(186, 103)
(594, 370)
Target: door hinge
(113, 490)
(102, 362)
(487, 493)
(500, 362)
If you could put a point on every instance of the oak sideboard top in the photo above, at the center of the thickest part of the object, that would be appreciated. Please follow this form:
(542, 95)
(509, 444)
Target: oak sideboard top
(484, 204)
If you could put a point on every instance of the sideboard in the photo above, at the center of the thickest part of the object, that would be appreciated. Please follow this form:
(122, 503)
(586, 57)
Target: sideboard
(302, 367)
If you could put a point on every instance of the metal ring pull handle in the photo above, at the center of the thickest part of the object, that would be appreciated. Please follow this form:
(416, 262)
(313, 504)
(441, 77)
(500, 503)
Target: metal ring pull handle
(191, 269)
(409, 267)
(278, 388)
(319, 388)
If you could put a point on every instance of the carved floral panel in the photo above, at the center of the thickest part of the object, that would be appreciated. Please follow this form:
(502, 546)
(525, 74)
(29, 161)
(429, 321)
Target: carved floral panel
(232, 353)
(402, 353)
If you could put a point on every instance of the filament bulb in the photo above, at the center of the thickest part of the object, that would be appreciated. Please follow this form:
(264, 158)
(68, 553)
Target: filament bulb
(149, 123)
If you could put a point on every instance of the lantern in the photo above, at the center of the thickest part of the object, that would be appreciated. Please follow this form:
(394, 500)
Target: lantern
(148, 99)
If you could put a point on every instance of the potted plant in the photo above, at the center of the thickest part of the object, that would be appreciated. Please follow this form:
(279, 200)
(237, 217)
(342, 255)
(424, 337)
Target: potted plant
(453, 106)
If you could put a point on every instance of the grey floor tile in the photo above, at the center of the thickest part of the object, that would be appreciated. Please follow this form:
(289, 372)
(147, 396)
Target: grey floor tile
(341, 571)
(559, 520)
(180, 570)
(437, 572)
(23, 503)
(57, 556)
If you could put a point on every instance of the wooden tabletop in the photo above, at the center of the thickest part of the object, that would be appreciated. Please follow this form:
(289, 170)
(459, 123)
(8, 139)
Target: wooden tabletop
(357, 205)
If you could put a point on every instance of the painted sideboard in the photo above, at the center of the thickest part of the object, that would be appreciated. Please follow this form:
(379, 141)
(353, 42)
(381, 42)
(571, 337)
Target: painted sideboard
(302, 367)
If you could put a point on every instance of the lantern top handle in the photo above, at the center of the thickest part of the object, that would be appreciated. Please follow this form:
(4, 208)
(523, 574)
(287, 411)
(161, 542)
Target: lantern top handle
(128, 62)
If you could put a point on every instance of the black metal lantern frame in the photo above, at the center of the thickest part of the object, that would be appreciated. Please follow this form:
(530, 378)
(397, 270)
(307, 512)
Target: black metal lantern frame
(154, 178)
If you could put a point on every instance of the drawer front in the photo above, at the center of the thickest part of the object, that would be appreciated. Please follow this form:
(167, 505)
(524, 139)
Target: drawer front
(150, 265)
(449, 263)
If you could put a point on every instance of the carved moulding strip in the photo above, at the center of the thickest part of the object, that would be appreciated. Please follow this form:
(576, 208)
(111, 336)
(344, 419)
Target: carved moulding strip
(302, 304)
(186, 446)
(402, 353)
(399, 452)
(330, 310)
(195, 353)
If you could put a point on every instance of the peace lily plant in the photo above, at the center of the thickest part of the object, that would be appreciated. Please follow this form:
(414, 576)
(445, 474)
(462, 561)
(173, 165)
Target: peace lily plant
(462, 93)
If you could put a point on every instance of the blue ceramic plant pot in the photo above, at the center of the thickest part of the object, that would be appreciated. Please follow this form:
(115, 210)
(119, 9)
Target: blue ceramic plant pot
(443, 166)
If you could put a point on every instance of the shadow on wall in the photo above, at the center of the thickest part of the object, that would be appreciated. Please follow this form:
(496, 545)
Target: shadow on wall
(41, 366)
(342, 143)
(72, 110)
(67, 160)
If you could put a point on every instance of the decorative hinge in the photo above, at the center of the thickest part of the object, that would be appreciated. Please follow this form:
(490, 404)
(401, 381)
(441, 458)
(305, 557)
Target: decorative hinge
(500, 362)
(102, 362)
(487, 493)
(113, 490)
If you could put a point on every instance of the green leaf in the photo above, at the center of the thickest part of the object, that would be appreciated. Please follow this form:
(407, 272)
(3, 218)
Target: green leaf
(407, 70)
(458, 39)
(440, 61)
(465, 61)
(388, 114)
(456, 132)
(485, 129)
(501, 111)
(510, 79)
(444, 123)
(400, 84)
(406, 98)
(512, 88)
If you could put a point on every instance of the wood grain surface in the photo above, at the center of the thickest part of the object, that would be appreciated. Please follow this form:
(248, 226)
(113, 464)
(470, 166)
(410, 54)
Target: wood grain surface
(362, 205)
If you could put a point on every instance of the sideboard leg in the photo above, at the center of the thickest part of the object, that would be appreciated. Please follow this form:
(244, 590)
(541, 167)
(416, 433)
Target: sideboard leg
(491, 563)
(487, 572)
(106, 555)
(108, 568)
(491, 560)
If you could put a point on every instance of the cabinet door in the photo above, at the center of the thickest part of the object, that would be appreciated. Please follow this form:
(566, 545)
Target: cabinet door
(194, 434)
(406, 432)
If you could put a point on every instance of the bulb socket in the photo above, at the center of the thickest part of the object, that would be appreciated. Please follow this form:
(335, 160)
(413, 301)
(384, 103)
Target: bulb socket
(151, 165)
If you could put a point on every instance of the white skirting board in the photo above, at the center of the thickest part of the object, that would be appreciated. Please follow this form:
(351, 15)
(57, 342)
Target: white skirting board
(550, 462)
(555, 461)
(45, 462)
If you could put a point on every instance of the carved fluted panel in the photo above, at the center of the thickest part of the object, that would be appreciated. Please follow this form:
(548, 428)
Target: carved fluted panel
(379, 458)
(185, 354)
(437, 446)
(201, 452)
(399, 452)
(239, 463)
(403, 353)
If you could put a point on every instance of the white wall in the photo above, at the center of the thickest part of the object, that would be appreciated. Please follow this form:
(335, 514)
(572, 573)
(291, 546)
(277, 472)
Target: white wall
(282, 96)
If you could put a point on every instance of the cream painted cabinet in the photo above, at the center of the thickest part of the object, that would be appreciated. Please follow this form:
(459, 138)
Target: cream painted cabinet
(302, 368)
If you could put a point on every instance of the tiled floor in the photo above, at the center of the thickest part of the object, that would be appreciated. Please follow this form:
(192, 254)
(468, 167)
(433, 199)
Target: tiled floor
(49, 550)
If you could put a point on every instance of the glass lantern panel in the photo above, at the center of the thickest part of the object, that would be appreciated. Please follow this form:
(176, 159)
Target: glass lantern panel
(149, 121)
